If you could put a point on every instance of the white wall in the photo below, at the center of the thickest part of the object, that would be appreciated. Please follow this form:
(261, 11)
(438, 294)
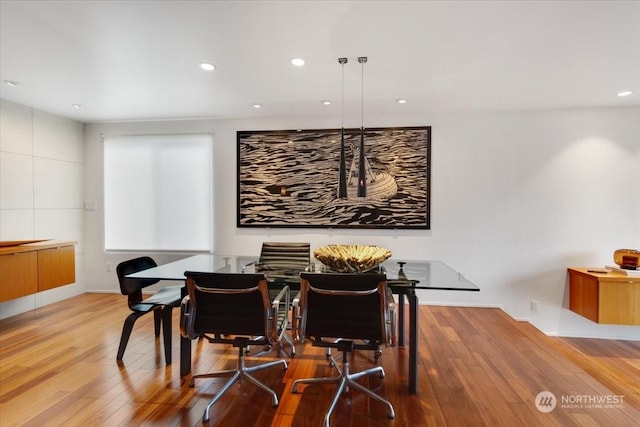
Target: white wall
(517, 197)
(41, 188)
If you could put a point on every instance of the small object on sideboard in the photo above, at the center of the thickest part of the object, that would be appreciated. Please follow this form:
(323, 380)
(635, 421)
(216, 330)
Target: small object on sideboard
(9, 243)
(624, 271)
(628, 259)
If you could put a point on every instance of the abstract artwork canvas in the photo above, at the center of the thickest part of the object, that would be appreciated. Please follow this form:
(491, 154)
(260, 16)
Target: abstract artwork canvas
(291, 178)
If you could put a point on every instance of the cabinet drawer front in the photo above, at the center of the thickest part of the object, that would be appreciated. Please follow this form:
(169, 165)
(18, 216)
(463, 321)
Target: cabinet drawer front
(620, 302)
(18, 275)
(56, 267)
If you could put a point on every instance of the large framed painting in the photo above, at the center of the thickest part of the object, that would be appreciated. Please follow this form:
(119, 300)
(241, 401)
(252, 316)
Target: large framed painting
(318, 178)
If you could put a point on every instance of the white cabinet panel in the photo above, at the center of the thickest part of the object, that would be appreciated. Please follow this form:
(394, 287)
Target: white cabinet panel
(16, 181)
(58, 184)
(15, 128)
(16, 224)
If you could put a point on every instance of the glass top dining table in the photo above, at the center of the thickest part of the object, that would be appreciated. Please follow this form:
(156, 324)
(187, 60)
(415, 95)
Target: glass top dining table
(404, 277)
(417, 274)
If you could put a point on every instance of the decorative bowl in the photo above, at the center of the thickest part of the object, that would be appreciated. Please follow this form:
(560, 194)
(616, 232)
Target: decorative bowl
(627, 258)
(351, 258)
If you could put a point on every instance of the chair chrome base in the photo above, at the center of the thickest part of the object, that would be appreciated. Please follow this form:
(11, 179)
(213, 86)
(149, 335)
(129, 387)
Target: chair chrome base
(289, 341)
(344, 381)
(241, 371)
(281, 347)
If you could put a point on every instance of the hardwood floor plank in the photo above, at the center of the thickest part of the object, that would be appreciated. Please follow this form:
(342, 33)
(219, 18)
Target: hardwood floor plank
(476, 367)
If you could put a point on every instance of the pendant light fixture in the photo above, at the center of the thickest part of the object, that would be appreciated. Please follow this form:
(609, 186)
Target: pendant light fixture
(342, 173)
(362, 175)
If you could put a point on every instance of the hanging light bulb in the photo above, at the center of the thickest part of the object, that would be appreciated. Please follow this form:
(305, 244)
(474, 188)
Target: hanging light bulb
(362, 175)
(342, 173)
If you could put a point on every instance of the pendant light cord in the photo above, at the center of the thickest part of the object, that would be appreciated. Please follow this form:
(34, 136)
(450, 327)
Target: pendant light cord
(362, 97)
(342, 61)
(362, 60)
(342, 102)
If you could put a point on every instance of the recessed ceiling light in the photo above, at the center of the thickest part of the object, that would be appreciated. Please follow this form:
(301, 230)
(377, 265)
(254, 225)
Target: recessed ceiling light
(298, 62)
(256, 105)
(625, 93)
(401, 101)
(77, 106)
(207, 66)
(12, 83)
(326, 102)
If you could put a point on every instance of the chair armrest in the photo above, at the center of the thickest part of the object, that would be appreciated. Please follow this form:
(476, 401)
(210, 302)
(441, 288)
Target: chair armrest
(186, 319)
(283, 297)
(295, 317)
(295, 302)
(249, 264)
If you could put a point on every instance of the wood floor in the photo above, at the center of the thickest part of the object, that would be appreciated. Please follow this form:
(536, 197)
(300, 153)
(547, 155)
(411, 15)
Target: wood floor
(478, 367)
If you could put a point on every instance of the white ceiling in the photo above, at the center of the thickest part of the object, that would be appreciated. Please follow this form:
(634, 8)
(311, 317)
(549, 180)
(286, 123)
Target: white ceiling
(136, 60)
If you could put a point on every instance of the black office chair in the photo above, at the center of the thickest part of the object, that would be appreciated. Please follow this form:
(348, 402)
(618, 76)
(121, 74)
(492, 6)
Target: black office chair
(230, 309)
(286, 257)
(161, 303)
(347, 312)
(294, 256)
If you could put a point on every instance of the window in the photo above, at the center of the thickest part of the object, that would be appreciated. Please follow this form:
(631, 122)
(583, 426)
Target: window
(158, 192)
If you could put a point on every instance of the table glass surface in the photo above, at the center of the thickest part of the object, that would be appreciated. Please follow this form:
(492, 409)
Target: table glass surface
(419, 274)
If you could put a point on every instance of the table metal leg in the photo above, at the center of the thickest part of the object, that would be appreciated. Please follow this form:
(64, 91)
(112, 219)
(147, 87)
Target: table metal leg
(413, 342)
(185, 356)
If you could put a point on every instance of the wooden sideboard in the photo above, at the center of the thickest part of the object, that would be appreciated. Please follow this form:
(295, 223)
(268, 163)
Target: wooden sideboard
(29, 268)
(611, 297)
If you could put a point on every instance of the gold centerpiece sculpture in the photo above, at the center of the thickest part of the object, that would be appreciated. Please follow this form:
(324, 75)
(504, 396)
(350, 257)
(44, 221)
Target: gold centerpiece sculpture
(351, 258)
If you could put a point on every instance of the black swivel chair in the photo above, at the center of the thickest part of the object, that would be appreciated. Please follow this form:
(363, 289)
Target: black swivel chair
(289, 257)
(230, 309)
(161, 303)
(347, 312)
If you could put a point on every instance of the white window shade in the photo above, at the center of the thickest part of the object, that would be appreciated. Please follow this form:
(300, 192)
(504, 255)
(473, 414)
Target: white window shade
(158, 192)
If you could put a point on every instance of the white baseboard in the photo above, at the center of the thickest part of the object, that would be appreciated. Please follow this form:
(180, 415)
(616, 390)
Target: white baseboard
(601, 337)
(454, 304)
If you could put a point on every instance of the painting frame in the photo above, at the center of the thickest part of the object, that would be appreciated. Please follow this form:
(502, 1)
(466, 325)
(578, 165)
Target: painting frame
(291, 179)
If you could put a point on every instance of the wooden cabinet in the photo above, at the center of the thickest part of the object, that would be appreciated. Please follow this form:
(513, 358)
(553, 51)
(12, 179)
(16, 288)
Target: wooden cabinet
(18, 275)
(605, 297)
(30, 268)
